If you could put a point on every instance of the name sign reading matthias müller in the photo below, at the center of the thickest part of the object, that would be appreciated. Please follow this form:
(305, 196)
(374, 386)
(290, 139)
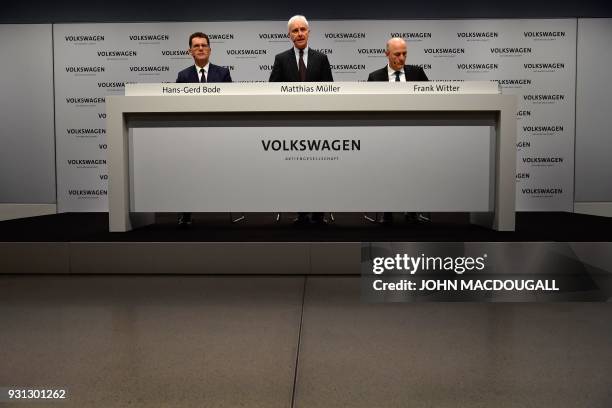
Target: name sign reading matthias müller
(347, 88)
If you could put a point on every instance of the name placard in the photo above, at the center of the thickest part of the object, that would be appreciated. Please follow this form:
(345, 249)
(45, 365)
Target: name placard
(347, 88)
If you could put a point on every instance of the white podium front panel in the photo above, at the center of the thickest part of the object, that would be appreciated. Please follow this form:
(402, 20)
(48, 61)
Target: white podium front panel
(312, 168)
(321, 116)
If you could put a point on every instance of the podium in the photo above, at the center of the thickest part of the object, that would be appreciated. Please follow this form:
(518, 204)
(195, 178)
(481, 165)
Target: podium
(312, 147)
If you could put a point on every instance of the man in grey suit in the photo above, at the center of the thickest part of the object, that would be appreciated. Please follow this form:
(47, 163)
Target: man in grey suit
(301, 64)
(397, 71)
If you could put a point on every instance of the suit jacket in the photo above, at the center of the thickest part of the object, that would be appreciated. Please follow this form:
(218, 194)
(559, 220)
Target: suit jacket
(215, 74)
(413, 73)
(285, 67)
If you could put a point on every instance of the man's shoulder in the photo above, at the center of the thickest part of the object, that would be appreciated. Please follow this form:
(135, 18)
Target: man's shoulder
(286, 54)
(380, 70)
(415, 73)
(412, 68)
(186, 70)
(215, 67)
(312, 51)
(380, 74)
(186, 75)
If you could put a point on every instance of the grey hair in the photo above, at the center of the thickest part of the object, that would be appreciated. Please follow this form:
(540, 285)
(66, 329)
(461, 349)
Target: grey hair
(294, 19)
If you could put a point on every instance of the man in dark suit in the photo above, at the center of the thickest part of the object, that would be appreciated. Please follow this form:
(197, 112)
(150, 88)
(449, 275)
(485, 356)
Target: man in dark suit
(201, 71)
(397, 71)
(301, 64)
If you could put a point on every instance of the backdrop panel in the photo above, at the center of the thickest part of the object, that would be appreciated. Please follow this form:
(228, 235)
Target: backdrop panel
(27, 152)
(593, 111)
(534, 59)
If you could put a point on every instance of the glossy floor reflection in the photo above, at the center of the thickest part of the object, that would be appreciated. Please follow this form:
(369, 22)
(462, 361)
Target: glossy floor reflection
(212, 341)
(152, 341)
(451, 354)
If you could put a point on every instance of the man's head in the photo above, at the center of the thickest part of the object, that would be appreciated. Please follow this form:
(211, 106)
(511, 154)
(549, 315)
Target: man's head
(298, 31)
(199, 48)
(396, 53)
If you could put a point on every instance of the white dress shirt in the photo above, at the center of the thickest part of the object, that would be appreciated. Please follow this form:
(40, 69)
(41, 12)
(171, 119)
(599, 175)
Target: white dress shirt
(297, 56)
(391, 72)
(205, 71)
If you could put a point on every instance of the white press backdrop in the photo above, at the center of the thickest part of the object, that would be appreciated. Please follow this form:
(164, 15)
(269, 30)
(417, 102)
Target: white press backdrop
(534, 59)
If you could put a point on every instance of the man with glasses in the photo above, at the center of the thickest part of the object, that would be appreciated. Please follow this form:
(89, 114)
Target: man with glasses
(201, 71)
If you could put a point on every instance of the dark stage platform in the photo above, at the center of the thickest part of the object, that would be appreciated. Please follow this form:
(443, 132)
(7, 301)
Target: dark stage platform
(347, 227)
(79, 243)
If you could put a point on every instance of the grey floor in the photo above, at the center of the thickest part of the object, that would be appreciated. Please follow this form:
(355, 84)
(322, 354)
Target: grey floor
(218, 341)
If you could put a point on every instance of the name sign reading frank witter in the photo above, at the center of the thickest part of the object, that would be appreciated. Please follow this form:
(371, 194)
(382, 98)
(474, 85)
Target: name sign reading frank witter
(291, 88)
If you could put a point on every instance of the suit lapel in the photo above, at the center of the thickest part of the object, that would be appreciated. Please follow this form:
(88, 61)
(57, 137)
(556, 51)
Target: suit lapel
(310, 65)
(211, 74)
(412, 74)
(194, 74)
(294, 67)
(383, 74)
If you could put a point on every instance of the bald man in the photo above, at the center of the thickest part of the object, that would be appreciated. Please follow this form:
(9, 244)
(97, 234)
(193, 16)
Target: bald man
(396, 70)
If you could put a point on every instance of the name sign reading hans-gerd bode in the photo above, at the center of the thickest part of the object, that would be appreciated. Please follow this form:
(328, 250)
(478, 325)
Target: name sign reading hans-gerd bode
(315, 88)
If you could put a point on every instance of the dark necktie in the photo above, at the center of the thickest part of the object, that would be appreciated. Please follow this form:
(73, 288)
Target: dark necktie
(397, 76)
(203, 79)
(302, 67)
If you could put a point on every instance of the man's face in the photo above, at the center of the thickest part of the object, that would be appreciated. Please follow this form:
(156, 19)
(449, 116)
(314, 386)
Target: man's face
(298, 32)
(200, 50)
(396, 53)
